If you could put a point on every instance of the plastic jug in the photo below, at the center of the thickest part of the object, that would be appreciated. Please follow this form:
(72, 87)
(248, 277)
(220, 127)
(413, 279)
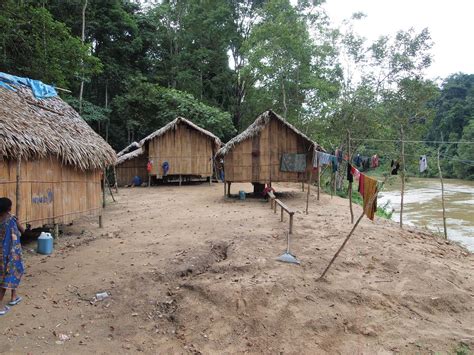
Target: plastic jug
(45, 243)
(242, 195)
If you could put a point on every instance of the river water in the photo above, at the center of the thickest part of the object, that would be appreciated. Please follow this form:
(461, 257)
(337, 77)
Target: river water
(422, 206)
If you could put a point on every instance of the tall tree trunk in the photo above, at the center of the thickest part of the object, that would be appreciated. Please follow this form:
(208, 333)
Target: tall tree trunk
(83, 38)
(283, 92)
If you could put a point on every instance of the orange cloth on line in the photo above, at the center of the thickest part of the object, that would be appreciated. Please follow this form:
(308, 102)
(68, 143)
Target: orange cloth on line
(369, 189)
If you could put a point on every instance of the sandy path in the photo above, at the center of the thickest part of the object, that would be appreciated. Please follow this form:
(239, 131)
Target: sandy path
(191, 272)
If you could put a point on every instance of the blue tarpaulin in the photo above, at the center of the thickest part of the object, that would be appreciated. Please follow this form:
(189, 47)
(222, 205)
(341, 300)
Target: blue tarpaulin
(39, 89)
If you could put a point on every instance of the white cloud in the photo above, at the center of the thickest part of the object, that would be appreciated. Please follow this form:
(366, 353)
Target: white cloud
(449, 23)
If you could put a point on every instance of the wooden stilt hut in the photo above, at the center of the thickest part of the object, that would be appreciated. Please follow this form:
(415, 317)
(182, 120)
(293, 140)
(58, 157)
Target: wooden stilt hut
(179, 149)
(269, 150)
(51, 161)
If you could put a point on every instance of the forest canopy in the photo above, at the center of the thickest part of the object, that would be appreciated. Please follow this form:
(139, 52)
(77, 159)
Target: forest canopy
(134, 66)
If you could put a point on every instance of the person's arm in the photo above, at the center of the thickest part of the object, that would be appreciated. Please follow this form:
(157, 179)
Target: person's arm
(20, 227)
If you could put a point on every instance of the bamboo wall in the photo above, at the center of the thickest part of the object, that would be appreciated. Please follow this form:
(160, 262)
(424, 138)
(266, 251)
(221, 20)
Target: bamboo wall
(131, 168)
(187, 151)
(51, 192)
(258, 159)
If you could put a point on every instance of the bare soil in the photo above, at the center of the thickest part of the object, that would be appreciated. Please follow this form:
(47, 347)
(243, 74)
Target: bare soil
(191, 272)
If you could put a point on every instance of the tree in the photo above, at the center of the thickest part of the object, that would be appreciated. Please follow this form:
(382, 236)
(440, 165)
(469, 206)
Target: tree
(149, 107)
(34, 44)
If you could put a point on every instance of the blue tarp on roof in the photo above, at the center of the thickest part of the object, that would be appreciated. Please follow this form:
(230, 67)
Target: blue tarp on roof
(39, 89)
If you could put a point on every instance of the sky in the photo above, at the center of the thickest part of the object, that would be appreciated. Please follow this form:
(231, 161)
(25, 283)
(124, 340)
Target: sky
(450, 23)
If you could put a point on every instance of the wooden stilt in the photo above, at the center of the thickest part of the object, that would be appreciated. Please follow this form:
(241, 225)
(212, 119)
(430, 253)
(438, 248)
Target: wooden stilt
(180, 180)
(309, 183)
(302, 186)
(228, 189)
(18, 188)
(281, 217)
(319, 174)
(103, 189)
(56, 231)
(101, 224)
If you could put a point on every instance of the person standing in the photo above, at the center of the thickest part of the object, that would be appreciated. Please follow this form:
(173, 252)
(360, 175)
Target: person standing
(11, 263)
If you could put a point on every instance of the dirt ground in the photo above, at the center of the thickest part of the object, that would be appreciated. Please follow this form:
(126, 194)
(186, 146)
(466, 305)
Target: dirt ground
(191, 272)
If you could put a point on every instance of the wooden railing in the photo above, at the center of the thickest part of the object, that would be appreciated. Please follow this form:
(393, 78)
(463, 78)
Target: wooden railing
(284, 208)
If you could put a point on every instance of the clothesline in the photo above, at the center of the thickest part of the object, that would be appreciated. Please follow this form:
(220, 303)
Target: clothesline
(442, 157)
(408, 141)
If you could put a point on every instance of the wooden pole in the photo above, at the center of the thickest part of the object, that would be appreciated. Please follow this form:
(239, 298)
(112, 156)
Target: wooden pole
(115, 179)
(291, 223)
(319, 173)
(18, 188)
(103, 189)
(371, 201)
(442, 197)
(349, 189)
(309, 186)
(302, 186)
(403, 176)
(228, 188)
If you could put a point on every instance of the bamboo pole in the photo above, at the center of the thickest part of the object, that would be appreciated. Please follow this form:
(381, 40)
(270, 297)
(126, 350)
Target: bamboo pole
(319, 173)
(371, 201)
(103, 188)
(403, 176)
(442, 197)
(349, 189)
(309, 182)
(18, 187)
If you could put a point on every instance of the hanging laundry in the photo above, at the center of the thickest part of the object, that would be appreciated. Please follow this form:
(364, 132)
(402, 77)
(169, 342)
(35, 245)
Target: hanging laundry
(324, 159)
(350, 177)
(293, 162)
(355, 172)
(365, 163)
(374, 161)
(334, 163)
(358, 160)
(395, 165)
(423, 163)
(339, 155)
(367, 189)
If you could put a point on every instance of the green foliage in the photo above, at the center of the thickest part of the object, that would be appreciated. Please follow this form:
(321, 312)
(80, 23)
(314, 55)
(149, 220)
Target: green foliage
(149, 107)
(90, 113)
(34, 44)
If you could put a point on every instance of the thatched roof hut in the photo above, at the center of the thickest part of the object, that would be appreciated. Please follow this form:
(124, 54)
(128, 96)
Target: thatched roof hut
(129, 148)
(34, 129)
(54, 154)
(186, 148)
(257, 154)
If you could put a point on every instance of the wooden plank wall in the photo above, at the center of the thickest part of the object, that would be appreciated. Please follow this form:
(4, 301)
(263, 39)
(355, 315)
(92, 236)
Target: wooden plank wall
(258, 159)
(187, 151)
(131, 168)
(51, 192)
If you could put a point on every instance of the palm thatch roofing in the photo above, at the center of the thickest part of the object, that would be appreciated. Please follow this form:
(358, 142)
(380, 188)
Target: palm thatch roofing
(133, 154)
(257, 126)
(174, 124)
(34, 129)
(129, 148)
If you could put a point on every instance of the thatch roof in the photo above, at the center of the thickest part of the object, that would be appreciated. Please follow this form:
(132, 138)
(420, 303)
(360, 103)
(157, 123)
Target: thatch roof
(174, 124)
(32, 129)
(129, 148)
(257, 126)
(133, 154)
